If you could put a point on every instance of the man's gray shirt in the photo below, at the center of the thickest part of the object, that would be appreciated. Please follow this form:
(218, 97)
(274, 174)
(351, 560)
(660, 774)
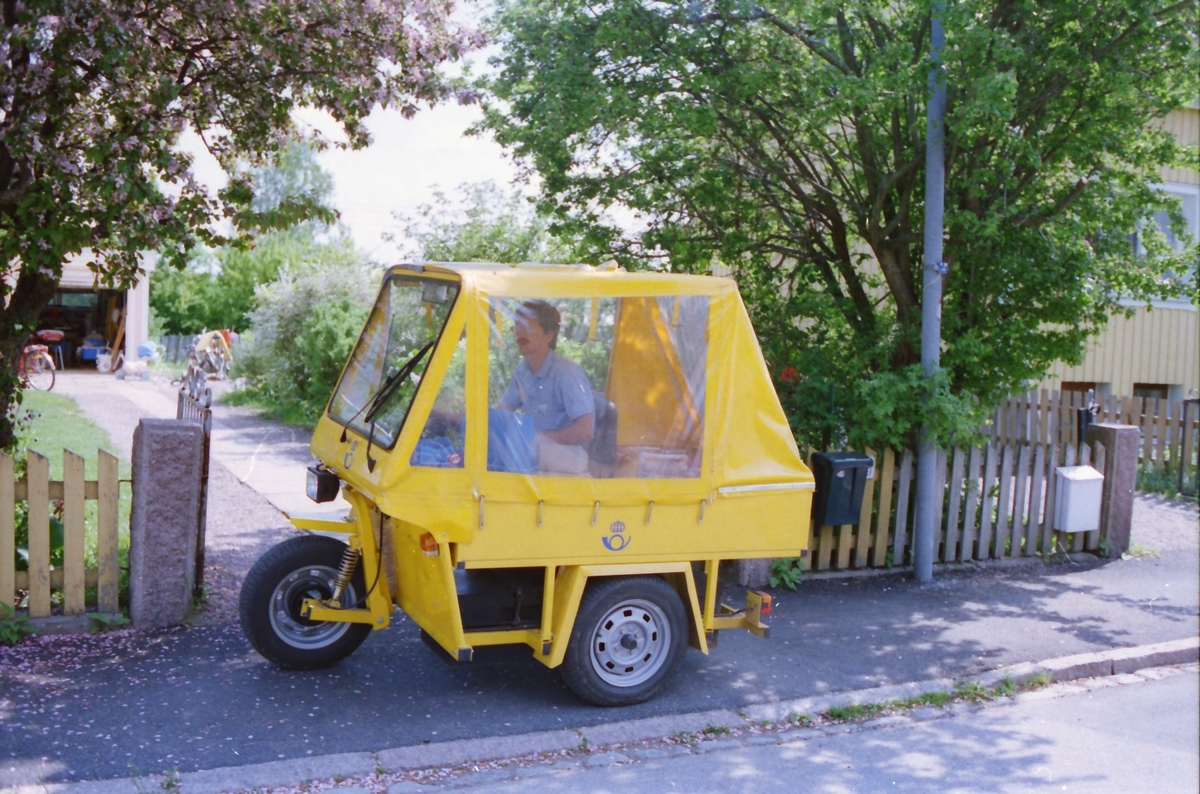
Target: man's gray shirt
(554, 397)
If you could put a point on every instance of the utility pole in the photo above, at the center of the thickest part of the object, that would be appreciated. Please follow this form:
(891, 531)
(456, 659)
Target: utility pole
(932, 271)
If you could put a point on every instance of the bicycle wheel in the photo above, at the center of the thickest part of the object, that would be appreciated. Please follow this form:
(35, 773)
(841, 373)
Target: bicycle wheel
(39, 371)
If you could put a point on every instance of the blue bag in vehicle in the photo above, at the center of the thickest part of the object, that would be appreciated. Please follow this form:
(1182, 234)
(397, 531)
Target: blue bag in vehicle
(511, 442)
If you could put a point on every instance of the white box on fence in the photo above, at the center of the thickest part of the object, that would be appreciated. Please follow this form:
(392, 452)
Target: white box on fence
(1077, 505)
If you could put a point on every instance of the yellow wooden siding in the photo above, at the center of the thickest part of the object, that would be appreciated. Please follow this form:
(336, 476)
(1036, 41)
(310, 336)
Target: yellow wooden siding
(1160, 345)
(1184, 124)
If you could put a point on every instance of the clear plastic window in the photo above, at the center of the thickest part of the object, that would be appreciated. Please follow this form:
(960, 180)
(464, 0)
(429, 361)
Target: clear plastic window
(77, 300)
(597, 387)
(441, 442)
(390, 358)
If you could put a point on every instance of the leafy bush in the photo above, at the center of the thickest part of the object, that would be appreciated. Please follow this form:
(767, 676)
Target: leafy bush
(217, 288)
(786, 572)
(1164, 479)
(13, 626)
(302, 331)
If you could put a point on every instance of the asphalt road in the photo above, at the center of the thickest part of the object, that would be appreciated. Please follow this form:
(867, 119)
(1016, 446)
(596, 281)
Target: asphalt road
(1140, 737)
(74, 708)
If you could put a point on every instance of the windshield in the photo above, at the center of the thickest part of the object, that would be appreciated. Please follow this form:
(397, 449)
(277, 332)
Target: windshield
(389, 360)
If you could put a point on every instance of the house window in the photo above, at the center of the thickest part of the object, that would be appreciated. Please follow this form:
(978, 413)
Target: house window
(1081, 386)
(1158, 390)
(1188, 197)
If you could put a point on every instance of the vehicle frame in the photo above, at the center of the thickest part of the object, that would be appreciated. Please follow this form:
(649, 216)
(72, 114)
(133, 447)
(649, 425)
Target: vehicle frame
(415, 533)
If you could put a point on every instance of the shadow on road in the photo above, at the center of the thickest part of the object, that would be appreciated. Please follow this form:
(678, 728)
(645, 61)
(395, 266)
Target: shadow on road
(196, 698)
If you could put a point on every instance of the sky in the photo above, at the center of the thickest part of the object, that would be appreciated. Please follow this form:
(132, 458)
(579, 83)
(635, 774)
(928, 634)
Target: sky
(396, 173)
(406, 159)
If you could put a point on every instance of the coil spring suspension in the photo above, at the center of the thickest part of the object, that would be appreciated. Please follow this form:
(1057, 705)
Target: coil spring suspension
(345, 574)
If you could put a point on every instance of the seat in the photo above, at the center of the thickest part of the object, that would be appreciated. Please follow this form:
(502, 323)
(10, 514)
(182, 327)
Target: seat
(602, 449)
(53, 339)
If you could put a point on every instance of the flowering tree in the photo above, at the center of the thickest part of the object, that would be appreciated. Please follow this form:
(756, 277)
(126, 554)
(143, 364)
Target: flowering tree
(94, 96)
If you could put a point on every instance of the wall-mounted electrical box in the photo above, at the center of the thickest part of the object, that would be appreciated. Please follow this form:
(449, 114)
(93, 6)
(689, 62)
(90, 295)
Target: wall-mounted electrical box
(1077, 504)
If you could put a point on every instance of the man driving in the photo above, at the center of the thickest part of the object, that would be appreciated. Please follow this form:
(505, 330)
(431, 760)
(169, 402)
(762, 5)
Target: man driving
(552, 390)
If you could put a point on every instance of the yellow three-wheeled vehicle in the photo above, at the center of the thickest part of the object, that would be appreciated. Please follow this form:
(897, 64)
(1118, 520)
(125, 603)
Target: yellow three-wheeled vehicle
(545, 456)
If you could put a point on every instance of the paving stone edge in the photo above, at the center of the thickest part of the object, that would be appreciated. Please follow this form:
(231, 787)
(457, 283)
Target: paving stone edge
(1114, 662)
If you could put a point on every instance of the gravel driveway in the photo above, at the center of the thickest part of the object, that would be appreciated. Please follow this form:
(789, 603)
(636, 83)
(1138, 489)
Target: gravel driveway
(241, 524)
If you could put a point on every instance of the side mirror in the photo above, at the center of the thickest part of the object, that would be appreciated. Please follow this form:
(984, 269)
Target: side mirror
(434, 294)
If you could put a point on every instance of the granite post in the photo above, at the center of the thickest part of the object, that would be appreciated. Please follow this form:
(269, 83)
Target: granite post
(753, 573)
(1120, 476)
(164, 521)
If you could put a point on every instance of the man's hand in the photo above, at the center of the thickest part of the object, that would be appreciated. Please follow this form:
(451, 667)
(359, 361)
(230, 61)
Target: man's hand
(581, 431)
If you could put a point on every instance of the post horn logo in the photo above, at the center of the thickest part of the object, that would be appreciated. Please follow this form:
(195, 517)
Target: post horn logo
(348, 458)
(617, 539)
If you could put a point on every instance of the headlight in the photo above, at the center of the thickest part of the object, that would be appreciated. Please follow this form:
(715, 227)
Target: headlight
(322, 485)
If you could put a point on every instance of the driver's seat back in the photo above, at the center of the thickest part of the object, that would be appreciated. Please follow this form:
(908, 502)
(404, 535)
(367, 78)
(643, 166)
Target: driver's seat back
(602, 449)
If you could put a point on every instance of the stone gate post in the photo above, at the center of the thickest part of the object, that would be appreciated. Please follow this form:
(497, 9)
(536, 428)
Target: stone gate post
(164, 521)
(1120, 476)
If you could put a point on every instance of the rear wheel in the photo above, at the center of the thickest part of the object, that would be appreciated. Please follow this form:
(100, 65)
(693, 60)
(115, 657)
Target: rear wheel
(629, 637)
(269, 606)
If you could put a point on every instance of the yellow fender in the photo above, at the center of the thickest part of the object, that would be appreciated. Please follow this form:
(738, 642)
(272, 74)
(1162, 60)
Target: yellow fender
(360, 527)
(568, 592)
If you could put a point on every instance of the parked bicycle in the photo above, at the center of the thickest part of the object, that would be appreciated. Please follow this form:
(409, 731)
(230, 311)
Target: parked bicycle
(36, 367)
(212, 354)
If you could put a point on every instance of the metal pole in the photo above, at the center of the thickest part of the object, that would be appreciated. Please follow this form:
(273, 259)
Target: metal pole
(931, 296)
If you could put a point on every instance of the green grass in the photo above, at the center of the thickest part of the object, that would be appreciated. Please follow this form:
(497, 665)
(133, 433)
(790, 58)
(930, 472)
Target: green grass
(1138, 550)
(857, 711)
(57, 423)
(51, 423)
(966, 691)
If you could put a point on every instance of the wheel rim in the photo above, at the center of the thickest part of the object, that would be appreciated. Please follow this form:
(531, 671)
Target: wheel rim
(38, 374)
(629, 644)
(312, 581)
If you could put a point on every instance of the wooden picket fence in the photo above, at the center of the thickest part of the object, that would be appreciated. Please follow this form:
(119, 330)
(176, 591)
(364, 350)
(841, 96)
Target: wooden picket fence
(997, 501)
(71, 492)
(1168, 431)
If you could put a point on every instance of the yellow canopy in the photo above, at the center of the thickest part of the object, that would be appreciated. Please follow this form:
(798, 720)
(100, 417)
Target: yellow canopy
(737, 424)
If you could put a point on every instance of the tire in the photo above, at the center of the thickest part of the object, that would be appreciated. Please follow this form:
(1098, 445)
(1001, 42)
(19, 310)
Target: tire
(299, 568)
(39, 371)
(629, 637)
(205, 362)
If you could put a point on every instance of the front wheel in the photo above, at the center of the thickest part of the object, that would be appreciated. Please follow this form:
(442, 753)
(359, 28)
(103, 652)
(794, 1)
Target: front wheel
(629, 637)
(38, 371)
(274, 590)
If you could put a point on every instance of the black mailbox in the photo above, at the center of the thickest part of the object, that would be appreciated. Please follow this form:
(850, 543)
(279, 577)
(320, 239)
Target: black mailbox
(841, 482)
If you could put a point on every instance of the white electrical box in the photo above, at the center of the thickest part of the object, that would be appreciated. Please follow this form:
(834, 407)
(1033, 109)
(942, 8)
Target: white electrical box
(1077, 501)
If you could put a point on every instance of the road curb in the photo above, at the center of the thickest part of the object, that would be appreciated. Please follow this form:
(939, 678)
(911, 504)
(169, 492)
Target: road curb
(1099, 664)
(462, 751)
(1119, 661)
(956, 567)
